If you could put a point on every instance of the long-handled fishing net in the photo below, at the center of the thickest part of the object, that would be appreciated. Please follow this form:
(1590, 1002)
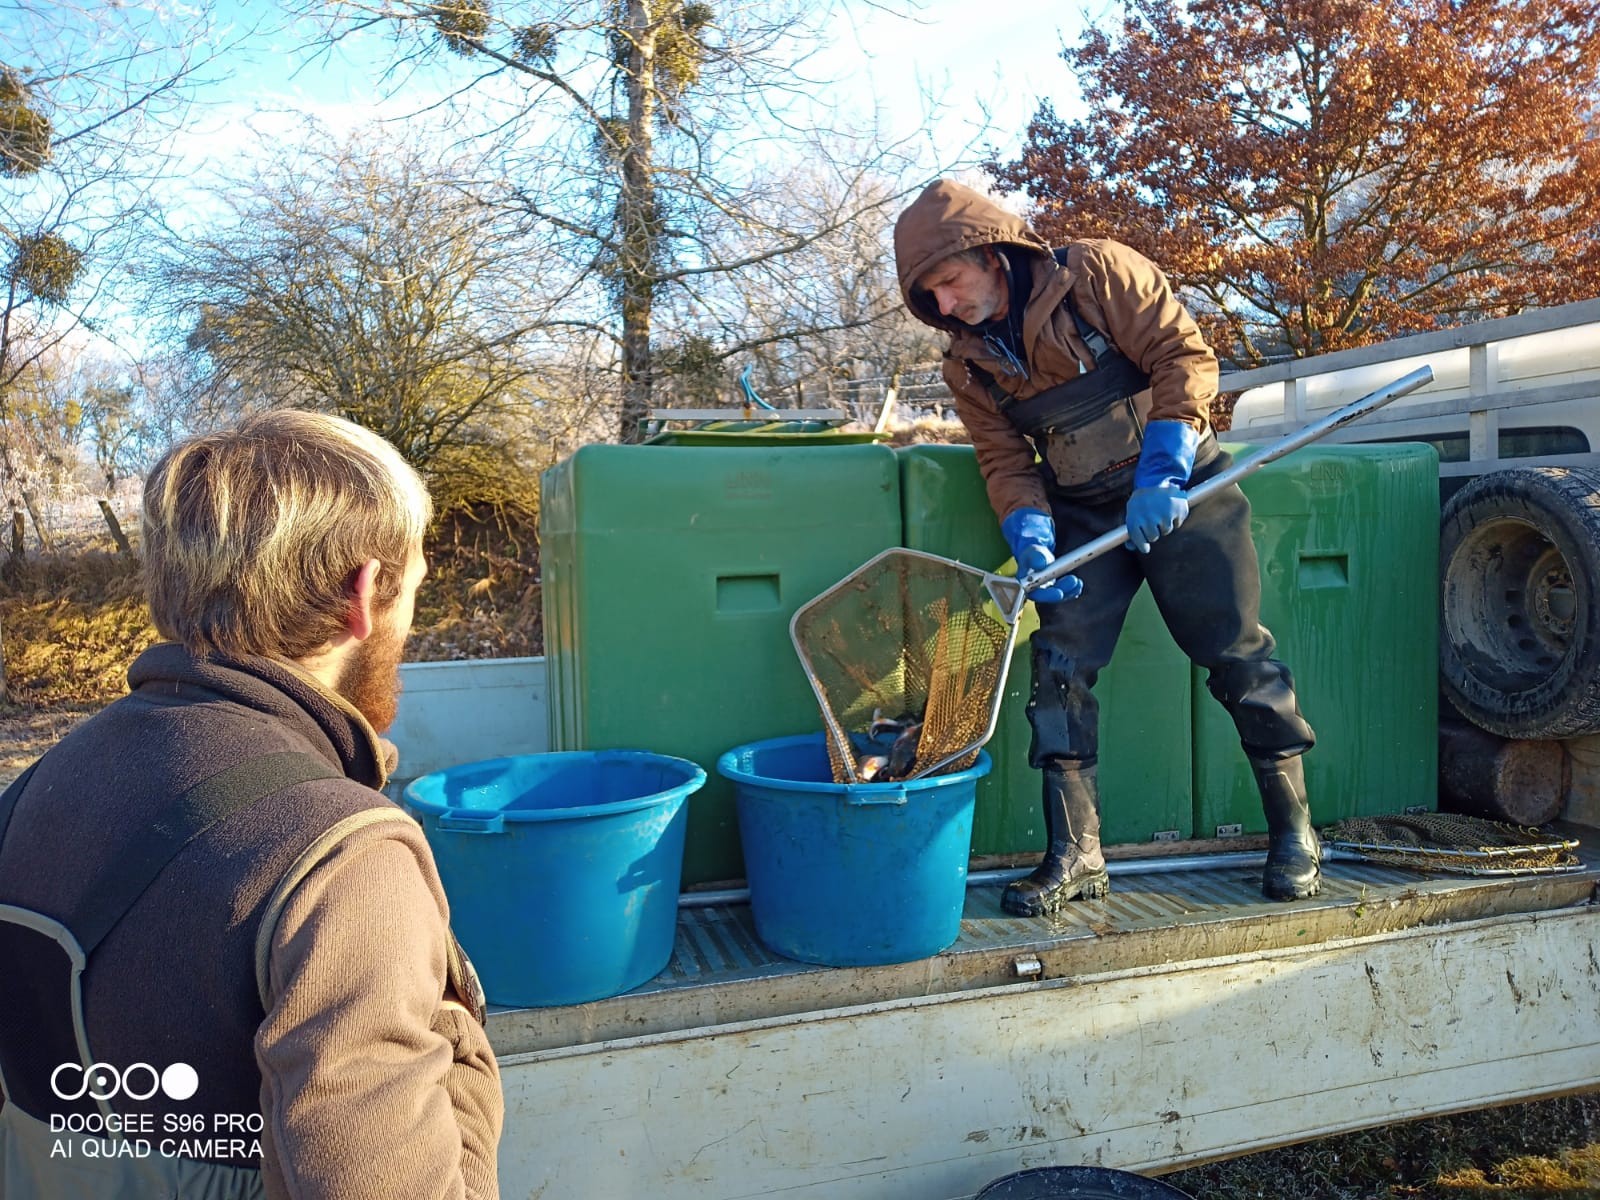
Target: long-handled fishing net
(908, 654)
(1452, 843)
(907, 639)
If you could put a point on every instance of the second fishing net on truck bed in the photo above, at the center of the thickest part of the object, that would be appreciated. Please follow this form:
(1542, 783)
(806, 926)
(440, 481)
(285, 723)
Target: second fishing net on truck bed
(907, 656)
(1453, 843)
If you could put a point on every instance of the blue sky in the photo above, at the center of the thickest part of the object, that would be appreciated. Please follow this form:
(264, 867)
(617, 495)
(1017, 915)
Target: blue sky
(986, 66)
(983, 67)
(1000, 57)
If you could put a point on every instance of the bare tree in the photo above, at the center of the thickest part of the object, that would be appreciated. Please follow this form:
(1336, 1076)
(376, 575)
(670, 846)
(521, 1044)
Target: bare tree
(111, 415)
(90, 96)
(36, 439)
(364, 278)
(641, 135)
(828, 313)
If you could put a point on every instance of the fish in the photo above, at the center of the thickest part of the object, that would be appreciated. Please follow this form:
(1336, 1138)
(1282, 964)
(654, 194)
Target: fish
(888, 749)
(891, 726)
(903, 753)
(870, 766)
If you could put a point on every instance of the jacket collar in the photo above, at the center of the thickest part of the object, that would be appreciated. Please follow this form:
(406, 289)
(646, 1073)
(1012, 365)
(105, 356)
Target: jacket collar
(280, 689)
(1044, 285)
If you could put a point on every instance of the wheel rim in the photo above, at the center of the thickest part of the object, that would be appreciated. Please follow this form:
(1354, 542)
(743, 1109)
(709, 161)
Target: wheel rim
(1509, 608)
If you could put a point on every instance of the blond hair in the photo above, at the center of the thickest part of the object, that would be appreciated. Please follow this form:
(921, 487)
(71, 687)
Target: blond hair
(253, 535)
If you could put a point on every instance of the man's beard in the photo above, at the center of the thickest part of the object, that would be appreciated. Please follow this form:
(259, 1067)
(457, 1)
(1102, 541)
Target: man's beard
(371, 677)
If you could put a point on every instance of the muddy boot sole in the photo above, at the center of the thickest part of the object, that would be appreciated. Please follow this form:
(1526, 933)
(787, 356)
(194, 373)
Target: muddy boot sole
(1284, 890)
(1026, 899)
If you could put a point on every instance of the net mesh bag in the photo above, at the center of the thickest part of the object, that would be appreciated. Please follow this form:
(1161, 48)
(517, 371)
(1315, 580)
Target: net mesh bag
(1453, 842)
(907, 638)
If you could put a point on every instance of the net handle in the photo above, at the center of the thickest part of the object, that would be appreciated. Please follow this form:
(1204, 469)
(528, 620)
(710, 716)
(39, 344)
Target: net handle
(1337, 419)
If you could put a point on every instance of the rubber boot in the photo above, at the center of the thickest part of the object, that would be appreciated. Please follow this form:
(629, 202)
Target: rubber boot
(1294, 857)
(1073, 865)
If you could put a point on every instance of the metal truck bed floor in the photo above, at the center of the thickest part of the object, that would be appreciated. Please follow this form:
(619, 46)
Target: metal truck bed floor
(721, 973)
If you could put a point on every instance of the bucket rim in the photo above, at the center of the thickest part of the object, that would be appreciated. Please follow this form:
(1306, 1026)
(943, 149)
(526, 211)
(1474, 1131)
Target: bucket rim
(695, 779)
(727, 767)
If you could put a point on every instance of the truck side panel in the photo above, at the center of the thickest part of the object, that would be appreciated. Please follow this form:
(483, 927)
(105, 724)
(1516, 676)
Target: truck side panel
(1144, 1069)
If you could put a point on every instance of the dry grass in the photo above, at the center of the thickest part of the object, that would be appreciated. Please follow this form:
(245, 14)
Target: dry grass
(71, 622)
(70, 626)
(1546, 1150)
(481, 598)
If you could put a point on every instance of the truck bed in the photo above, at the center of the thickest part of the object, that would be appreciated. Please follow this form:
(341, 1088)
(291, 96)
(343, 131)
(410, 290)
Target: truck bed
(1180, 1020)
(720, 972)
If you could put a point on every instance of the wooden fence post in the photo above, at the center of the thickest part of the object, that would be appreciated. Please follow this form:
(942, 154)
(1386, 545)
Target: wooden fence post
(120, 538)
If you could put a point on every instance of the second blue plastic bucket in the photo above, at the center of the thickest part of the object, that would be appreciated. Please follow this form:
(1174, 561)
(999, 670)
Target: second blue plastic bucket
(562, 870)
(856, 874)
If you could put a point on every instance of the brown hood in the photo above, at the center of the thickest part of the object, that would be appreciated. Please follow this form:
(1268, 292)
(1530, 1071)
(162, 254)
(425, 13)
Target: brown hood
(946, 218)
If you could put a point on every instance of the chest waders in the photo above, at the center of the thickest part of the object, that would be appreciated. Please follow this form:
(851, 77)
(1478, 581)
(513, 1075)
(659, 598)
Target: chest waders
(1089, 432)
(47, 1067)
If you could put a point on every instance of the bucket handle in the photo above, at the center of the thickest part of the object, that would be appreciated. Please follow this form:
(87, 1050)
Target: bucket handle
(898, 796)
(463, 821)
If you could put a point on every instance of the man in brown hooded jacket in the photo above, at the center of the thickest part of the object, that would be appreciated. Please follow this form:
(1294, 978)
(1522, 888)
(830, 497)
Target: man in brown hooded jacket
(1086, 388)
(227, 963)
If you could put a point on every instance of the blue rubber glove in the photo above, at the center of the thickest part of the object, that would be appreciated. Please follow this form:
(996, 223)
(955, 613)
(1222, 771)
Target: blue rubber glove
(1031, 534)
(1159, 503)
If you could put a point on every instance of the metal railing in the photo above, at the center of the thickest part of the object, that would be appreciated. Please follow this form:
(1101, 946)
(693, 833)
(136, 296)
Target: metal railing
(1468, 383)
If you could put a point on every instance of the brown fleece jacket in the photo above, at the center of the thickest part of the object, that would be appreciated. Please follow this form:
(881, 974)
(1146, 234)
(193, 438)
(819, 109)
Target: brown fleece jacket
(294, 953)
(1116, 289)
(371, 1084)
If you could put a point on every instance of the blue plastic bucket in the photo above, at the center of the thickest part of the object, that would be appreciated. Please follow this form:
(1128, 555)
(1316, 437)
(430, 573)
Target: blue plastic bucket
(856, 874)
(562, 870)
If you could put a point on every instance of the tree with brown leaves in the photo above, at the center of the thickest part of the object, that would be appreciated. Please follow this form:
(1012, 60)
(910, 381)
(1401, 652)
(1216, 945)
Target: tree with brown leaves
(1319, 174)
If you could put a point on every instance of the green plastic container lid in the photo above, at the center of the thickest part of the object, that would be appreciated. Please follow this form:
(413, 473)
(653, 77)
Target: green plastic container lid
(765, 433)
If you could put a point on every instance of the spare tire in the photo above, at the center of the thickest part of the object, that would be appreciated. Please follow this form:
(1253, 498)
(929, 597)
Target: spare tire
(1519, 632)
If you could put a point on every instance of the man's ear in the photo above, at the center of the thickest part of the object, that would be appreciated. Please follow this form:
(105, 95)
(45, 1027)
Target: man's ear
(363, 593)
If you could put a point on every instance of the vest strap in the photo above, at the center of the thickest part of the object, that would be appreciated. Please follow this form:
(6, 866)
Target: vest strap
(211, 800)
(1088, 431)
(9, 798)
(1036, 416)
(1099, 344)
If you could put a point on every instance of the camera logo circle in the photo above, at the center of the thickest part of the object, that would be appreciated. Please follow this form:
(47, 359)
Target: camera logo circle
(138, 1081)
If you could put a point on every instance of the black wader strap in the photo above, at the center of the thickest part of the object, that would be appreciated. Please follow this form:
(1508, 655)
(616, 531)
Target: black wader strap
(1099, 345)
(186, 818)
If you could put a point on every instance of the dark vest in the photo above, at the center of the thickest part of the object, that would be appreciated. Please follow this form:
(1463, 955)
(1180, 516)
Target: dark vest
(1089, 430)
(173, 978)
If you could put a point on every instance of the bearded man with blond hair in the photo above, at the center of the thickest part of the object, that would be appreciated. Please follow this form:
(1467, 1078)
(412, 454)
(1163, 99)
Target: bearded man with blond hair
(228, 964)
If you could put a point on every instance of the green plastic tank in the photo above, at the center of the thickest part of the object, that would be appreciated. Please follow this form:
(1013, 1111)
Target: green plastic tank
(1145, 758)
(670, 574)
(1348, 538)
